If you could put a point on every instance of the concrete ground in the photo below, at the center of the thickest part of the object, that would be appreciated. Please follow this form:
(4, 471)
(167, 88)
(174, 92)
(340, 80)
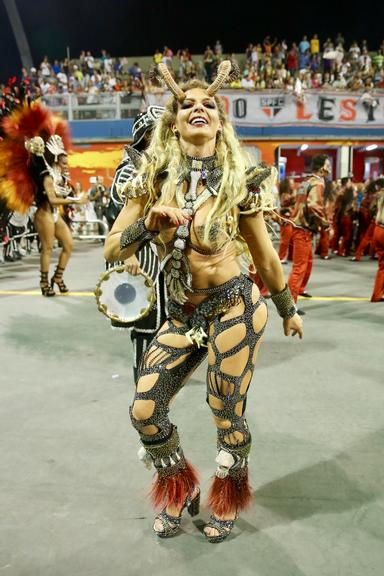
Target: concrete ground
(73, 495)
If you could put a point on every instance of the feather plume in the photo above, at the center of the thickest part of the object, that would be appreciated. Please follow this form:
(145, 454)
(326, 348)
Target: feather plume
(229, 494)
(174, 489)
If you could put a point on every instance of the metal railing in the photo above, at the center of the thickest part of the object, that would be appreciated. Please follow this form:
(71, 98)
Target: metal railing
(81, 228)
(102, 106)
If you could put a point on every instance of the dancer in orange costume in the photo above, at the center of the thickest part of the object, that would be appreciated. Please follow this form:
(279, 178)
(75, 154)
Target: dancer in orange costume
(308, 218)
(378, 241)
(287, 204)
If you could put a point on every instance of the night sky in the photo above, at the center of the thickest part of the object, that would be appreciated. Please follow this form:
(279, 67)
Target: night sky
(126, 27)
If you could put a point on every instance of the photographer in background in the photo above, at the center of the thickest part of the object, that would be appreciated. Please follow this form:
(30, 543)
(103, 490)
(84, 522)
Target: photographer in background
(97, 195)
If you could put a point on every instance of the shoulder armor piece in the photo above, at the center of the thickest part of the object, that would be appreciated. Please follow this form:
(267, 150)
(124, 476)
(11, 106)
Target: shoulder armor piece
(134, 156)
(260, 180)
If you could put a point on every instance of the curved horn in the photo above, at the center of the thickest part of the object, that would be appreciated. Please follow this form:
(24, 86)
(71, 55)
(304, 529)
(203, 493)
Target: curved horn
(174, 88)
(222, 75)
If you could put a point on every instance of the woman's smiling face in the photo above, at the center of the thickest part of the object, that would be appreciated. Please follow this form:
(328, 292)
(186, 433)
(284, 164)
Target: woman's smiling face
(197, 119)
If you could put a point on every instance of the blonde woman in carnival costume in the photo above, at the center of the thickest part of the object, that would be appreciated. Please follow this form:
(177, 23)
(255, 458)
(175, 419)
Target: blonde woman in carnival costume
(199, 200)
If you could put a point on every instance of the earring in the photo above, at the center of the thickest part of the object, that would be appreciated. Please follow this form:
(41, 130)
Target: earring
(176, 134)
(218, 134)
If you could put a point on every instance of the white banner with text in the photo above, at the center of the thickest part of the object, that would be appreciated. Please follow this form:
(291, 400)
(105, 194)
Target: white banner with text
(341, 109)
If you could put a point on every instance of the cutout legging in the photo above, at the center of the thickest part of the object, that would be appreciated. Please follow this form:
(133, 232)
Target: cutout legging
(232, 345)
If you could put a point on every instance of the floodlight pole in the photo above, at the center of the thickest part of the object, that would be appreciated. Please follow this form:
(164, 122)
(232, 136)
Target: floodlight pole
(20, 36)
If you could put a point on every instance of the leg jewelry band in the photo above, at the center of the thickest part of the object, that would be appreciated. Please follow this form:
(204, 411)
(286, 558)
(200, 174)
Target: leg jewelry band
(230, 490)
(136, 232)
(176, 478)
(284, 303)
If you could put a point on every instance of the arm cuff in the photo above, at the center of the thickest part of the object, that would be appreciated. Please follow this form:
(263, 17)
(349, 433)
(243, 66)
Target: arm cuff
(136, 232)
(284, 303)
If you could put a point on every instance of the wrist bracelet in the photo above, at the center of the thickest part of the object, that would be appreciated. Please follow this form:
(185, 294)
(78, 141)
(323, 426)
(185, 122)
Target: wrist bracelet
(284, 303)
(136, 232)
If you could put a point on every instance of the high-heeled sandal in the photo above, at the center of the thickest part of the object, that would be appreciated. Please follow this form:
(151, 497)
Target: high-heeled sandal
(57, 278)
(223, 527)
(45, 288)
(171, 524)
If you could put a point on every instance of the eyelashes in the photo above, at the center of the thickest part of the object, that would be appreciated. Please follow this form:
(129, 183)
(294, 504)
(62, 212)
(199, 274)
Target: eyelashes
(208, 104)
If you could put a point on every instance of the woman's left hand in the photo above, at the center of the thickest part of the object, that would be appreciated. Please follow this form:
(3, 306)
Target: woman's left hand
(294, 325)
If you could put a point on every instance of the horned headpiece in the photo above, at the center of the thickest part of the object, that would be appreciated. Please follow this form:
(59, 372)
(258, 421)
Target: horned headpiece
(226, 72)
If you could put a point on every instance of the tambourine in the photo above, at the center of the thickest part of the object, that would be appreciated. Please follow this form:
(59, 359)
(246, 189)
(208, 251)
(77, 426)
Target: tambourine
(124, 298)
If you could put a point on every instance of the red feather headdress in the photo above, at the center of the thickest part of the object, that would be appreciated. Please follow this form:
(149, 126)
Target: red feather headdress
(17, 187)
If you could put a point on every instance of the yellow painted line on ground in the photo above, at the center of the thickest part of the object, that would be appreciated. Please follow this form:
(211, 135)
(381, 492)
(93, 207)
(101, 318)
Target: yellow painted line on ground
(336, 298)
(83, 293)
(37, 293)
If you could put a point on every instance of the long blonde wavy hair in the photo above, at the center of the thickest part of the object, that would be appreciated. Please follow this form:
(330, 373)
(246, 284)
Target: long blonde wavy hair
(164, 163)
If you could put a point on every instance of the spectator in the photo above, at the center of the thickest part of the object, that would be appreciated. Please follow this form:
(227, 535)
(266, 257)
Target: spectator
(45, 68)
(315, 45)
(248, 53)
(304, 60)
(157, 57)
(268, 44)
(304, 45)
(218, 50)
(354, 55)
(293, 58)
(378, 60)
(167, 56)
(365, 62)
(339, 39)
(90, 62)
(98, 197)
(247, 82)
(135, 71)
(56, 67)
(62, 78)
(255, 57)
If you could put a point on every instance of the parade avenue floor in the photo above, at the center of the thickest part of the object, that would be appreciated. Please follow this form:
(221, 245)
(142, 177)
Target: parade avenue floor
(73, 493)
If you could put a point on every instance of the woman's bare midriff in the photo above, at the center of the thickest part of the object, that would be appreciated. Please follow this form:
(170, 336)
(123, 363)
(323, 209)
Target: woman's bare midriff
(209, 271)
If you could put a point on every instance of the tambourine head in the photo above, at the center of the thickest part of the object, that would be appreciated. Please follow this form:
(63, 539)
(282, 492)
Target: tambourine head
(124, 298)
(125, 293)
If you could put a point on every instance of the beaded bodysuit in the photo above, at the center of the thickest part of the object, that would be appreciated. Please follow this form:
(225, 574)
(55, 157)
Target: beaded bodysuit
(228, 325)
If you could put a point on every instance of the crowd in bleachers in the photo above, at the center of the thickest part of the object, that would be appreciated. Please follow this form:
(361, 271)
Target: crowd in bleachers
(271, 64)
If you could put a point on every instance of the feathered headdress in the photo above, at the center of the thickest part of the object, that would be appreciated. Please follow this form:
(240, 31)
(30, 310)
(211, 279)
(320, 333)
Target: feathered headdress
(29, 129)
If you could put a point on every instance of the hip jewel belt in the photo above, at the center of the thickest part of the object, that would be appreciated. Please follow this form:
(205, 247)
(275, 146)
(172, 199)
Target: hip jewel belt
(197, 316)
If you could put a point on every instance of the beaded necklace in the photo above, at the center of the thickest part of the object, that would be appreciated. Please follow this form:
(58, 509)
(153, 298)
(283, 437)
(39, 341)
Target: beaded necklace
(178, 275)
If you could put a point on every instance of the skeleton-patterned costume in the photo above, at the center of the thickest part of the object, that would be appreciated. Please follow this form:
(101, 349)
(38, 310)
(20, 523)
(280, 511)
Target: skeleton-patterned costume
(228, 324)
(143, 330)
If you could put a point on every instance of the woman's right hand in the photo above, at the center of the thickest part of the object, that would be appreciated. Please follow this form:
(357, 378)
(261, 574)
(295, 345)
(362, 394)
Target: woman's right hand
(132, 265)
(164, 217)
